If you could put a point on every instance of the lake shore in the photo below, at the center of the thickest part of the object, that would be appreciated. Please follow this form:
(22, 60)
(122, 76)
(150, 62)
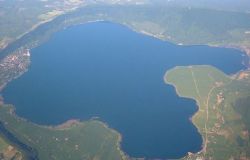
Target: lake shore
(74, 122)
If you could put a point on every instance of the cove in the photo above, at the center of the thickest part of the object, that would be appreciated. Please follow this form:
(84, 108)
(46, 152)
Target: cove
(108, 71)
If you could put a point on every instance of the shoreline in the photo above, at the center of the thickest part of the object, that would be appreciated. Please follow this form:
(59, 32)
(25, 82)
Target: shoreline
(75, 122)
(62, 126)
(192, 117)
(28, 152)
(232, 77)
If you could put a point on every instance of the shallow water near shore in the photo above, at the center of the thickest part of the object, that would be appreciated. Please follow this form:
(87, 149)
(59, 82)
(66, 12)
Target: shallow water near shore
(108, 71)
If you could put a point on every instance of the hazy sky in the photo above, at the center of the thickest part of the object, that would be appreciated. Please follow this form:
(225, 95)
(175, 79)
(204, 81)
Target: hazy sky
(237, 5)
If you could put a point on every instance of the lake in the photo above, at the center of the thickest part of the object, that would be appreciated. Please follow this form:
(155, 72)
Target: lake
(108, 71)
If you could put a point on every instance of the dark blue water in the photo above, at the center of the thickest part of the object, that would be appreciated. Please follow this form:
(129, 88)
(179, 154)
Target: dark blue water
(106, 70)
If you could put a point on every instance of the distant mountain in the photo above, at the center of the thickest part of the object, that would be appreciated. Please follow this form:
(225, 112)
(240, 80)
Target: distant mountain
(232, 5)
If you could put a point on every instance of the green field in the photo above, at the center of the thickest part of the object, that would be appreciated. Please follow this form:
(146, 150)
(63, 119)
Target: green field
(222, 118)
(73, 140)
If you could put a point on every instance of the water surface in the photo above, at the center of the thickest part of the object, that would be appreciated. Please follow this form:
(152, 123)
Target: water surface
(106, 70)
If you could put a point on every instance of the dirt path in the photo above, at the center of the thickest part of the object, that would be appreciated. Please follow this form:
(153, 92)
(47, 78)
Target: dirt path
(195, 83)
(206, 104)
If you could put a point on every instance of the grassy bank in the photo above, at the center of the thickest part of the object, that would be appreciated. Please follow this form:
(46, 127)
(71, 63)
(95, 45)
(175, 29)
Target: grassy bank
(220, 119)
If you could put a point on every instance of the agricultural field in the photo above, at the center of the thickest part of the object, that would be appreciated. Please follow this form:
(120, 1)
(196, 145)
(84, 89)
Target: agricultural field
(223, 114)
